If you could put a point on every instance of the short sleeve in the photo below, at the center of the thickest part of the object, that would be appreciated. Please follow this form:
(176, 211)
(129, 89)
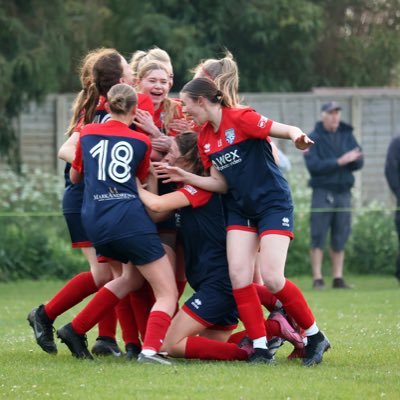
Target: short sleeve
(78, 161)
(144, 166)
(145, 103)
(196, 196)
(253, 124)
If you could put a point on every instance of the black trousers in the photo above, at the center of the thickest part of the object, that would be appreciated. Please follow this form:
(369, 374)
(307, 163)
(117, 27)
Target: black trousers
(397, 221)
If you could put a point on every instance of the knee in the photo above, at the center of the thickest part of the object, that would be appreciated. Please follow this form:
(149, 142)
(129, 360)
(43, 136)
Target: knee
(274, 283)
(102, 275)
(240, 276)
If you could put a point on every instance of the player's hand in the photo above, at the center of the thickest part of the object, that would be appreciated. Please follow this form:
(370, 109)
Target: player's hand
(302, 141)
(144, 121)
(161, 143)
(169, 173)
(181, 125)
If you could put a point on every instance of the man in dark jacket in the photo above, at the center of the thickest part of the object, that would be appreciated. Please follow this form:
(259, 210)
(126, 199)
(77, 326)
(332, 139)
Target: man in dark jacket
(392, 172)
(331, 162)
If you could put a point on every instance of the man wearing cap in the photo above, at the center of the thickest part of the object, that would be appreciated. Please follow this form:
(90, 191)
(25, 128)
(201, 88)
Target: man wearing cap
(331, 162)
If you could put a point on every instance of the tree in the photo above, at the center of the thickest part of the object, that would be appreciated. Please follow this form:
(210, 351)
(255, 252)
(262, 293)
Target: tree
(360, 43)
(272, 41)
(32, 57)
(42, 43)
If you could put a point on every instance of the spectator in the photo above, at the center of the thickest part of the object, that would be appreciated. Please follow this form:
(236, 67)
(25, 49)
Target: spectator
(392, 172)
(331, 162)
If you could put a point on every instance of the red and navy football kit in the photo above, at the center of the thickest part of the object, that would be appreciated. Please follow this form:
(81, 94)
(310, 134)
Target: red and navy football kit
(110, 156)
(202, 232)
(73, 194)
(159, 118)
(258, 198)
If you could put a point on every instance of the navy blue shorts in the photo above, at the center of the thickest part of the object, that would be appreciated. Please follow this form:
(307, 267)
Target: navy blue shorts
(77, 231)
(214, 307)
(338, 223)
(139, 250)
(277, 221)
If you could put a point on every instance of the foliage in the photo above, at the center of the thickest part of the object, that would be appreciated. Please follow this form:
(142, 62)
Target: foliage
(37, 248)
(372, 247)
(33, 56)
(42, 43)
(34, 246)
(287, 45)
(29, 191)
(360, 43)
(190, 32)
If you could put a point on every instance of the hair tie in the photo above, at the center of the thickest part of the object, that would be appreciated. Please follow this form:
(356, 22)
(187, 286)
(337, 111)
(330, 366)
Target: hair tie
(206, 73)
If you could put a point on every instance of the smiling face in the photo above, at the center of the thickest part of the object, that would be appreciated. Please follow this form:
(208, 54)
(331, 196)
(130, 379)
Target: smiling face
(155, 84)
(194, 108)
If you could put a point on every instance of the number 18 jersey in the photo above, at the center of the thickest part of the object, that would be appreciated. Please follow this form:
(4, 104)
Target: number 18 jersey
(110, 156)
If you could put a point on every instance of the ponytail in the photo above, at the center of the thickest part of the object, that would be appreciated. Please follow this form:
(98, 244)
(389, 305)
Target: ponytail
(204, 87)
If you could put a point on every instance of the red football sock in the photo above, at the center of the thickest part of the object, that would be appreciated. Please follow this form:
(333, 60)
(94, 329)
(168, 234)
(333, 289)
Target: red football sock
(207, 349)
(267, 299)
(108, 324)
(103, 301)
(73, 292)
(181, 287)
(157, 327)
(237, 337)
(127, 321)
(295, 304)
(250, 311)
(142, 301)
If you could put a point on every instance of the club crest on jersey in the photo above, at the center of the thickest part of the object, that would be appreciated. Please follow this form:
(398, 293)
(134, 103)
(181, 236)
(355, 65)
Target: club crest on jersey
(207, 147)
(230, 135)
(262, 122)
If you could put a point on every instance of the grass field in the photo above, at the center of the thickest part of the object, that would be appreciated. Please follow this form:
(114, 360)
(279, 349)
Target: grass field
(362, 324)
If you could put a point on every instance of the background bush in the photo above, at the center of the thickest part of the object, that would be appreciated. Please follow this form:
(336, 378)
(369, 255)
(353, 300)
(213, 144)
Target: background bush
(35, 244)
(34, 241)
(371, 249)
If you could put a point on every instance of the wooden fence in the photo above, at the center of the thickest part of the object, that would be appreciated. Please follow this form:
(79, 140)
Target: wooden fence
(374, 113)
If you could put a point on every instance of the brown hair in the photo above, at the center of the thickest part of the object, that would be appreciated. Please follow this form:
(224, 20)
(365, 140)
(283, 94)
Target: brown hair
(107, 72)
(121, 98)
(169, 105)
(187, 145)
(86, 77)
(225, 74)
(203, 87)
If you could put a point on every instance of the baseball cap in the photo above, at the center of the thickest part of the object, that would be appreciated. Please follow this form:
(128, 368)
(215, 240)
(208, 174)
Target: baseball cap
(330, 106)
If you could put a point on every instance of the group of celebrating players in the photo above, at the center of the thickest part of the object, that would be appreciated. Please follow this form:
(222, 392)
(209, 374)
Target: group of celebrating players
(160, 191)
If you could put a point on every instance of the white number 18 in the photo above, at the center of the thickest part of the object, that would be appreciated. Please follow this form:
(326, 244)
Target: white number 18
(121, 155)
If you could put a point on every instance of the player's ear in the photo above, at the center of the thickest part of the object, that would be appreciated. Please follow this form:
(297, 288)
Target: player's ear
(107, 107)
